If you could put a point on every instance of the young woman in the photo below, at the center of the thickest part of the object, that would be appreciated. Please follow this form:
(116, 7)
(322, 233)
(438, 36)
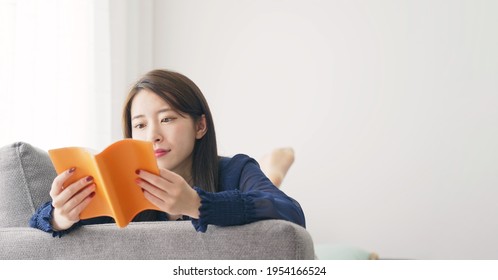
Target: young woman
(168, 109)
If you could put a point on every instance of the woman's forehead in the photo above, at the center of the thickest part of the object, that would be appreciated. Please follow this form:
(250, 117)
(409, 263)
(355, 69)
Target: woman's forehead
(147, 100)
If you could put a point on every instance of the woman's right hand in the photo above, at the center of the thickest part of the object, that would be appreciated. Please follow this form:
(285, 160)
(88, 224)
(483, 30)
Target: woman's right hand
(68, 202)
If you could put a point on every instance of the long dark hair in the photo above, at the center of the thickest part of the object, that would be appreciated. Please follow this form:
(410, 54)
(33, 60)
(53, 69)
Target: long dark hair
(186, 98)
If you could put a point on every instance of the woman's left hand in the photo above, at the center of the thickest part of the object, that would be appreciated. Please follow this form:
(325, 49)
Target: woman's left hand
(170, 192)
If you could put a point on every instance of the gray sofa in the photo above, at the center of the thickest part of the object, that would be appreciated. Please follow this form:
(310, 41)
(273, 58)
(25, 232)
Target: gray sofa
(26, 175)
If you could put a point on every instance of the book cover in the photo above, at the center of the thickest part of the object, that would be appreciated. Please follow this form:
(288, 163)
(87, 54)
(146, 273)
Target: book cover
(116, 194)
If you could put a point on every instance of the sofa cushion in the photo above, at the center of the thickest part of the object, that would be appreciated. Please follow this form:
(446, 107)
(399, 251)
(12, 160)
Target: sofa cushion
(177, 240)
(26, 175)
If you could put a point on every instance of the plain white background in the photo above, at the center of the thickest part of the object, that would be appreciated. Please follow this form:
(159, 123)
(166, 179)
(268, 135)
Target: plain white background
(389, 105)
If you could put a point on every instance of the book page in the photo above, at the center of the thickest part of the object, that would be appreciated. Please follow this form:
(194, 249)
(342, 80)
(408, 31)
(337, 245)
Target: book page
(118, 164)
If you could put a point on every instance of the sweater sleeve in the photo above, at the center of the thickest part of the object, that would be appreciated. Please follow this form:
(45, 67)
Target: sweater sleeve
(41, 220)
(253, 198)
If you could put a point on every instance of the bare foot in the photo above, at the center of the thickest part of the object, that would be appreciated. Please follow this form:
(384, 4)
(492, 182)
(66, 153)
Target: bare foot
(276, 164)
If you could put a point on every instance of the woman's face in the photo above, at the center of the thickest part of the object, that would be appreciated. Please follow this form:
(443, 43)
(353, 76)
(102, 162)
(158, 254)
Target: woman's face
(154, 120)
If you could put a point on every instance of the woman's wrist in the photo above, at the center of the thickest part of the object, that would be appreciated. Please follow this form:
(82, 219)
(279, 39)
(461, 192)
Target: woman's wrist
(196, 204)
(57, 226)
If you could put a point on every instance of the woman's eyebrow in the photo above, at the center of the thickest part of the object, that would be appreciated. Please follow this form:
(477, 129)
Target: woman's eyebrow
(138, 117)
(164, 110)
(158, 112)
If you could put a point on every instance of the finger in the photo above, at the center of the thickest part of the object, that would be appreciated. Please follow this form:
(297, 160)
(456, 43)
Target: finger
(169, 175)
(152, 189)
(77, 199)
(155, 180)
(70, 191)
(76, 211)
(154, 199)
(58, 183)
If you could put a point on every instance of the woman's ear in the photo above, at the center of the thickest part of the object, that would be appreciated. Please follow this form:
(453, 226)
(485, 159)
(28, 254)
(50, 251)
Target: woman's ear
(201, 127)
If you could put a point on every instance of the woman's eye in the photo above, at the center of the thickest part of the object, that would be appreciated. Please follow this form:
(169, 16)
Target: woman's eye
(139, 126)
(166, 120)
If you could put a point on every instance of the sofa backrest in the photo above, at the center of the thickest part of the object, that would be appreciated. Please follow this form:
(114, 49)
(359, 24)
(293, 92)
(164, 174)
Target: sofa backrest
(26, 175)
(267, 239)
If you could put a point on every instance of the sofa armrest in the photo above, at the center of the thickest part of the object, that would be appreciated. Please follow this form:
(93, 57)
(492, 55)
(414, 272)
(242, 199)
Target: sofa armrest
(269, 239)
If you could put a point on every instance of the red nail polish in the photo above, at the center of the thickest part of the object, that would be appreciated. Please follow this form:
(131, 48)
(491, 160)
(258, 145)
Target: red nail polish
(72, 169)
(137, 172)
(89, 178)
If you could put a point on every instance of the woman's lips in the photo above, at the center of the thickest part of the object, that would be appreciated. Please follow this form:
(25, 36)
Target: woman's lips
(160, 152)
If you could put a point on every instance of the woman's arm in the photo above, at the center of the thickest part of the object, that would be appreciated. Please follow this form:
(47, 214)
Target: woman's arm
(246, 196)
(43, 216)
(42, 221)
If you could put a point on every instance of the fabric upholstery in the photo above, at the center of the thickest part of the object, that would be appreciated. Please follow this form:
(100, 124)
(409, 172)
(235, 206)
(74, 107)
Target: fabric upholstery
(26, 175)
(269, 239)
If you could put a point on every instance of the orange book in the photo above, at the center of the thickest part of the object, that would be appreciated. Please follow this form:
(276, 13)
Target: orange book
(116, 194)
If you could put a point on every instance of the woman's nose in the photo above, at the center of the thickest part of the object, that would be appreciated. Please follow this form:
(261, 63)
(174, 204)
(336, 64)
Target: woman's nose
(157, 138)
(155, 135)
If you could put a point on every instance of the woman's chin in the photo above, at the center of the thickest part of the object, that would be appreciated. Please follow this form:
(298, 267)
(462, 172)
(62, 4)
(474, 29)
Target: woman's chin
(161, 163)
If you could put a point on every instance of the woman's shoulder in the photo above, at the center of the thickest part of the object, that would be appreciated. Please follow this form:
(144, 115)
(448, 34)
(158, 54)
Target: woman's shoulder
(237, 161)
(231, 170)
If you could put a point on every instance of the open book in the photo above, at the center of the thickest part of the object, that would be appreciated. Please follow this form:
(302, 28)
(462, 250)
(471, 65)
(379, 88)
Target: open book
(116, 194)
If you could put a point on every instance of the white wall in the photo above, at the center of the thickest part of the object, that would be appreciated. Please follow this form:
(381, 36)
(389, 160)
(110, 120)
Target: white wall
(54, 73)
(131, 51)
(390, 106)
